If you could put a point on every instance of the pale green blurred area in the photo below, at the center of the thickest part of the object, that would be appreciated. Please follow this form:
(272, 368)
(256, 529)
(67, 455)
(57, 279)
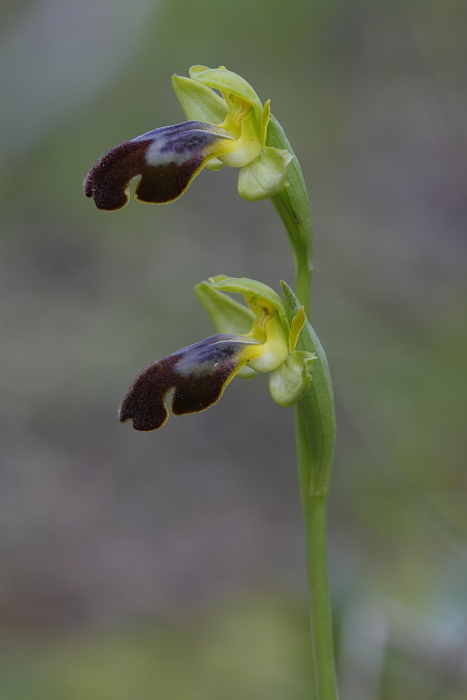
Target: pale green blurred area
(171, 564)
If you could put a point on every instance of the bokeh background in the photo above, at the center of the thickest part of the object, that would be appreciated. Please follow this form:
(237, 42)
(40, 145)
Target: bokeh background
(171, 564)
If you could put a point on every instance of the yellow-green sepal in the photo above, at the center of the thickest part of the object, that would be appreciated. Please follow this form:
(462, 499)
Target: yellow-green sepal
(250, 288)
(198, 101)
(291, 380)
(226, 314)
(265, 176)
(228, 83)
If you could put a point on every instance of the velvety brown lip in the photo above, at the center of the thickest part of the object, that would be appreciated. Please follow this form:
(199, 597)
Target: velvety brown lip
(198, 374)
(167, 160)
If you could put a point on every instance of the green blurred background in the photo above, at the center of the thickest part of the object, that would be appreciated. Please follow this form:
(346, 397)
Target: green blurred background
(170, 564)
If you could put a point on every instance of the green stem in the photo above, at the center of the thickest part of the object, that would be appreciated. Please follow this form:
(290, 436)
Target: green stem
(320, 602)
(314, 420)
(314, 507)
(294, 209)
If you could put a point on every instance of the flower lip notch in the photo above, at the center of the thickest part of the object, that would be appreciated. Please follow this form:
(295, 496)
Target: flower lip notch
(198, 374)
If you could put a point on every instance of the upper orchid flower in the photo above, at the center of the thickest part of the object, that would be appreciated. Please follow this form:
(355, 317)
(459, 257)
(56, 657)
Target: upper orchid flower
(253, 338)
(228, 130)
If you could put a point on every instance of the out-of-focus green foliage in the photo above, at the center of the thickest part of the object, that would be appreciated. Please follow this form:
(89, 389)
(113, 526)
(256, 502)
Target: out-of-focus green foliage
(102, 528)
(254, 648)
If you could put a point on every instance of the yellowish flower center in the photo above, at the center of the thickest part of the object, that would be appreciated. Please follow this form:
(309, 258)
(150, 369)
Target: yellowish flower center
(268, 330)
(242, 124)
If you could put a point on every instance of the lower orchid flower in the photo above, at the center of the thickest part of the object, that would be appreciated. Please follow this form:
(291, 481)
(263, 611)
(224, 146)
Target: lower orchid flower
(223, 130)
(199, 373)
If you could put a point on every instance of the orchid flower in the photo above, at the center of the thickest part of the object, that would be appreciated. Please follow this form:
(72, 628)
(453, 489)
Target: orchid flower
(252, 338)
(222, 130)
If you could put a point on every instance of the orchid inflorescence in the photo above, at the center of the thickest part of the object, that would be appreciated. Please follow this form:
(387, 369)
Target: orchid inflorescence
(229, 128)
(228, 125)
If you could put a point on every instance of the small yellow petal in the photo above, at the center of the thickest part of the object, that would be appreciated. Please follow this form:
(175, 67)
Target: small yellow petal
(296, 326)
(265, 121)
